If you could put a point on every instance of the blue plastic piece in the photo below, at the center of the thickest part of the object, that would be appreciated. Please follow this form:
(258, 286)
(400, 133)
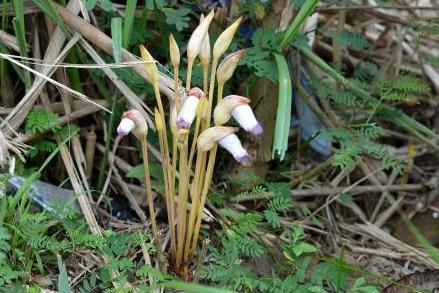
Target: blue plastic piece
(46, 195)
(310, 124)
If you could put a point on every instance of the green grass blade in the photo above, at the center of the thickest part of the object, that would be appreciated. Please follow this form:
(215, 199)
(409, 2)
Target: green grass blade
(63, 279)
(306, 9)
(19, 13)
(19, 29)
(128, 22)
(283, 116)
(20, 72)
(116, 35)
(47, 7)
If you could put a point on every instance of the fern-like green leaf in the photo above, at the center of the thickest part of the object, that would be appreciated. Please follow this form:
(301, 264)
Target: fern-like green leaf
(346, 156)
(38, 121)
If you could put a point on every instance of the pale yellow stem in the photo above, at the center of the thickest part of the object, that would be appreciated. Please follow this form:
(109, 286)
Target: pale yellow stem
(201, 157)
(166, 165)
(205, 77)
(206, 186)
(168, 195)
(150, 200)
(174, 160)
(176, 93)
(190, 64)
(220, 92)
(208, 111)
(182, 200)
(176, 103)
(148, 186)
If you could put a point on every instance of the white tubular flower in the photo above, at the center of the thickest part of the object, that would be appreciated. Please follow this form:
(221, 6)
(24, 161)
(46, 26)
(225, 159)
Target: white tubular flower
(210, 137)
(226, 137)
(132, 121)
(237, 107)
(126, 125)
(189, 108)
(243, 114)
(232, 143)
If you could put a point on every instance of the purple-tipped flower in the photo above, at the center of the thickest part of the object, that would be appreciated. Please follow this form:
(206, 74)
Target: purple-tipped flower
(126, 125)
(243, 114)
(226, 137)
(132, 120)
(237, 107)
(232, 143)
(189, 108)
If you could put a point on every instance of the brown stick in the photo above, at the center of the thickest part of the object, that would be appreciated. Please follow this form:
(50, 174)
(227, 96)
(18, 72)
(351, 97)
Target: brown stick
(322, 191)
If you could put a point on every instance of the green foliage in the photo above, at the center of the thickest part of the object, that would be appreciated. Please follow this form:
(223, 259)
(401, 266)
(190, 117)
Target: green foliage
(89, 285)
(258, 57)
(350, 39)
(346, 156)
(7, 274)
(38, 121)
(297, 247)
(253, 9)
(346, 199)
(41, 145)
(116, 37)
(257, 192)
(155, 171)
(361, 136)
(360, 286)
(432, 60)
(63, 280)
(128, 22)
(280, 203)
(401, 88)
(177, 17)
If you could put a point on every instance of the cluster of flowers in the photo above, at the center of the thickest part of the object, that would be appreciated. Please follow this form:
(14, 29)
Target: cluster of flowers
(231, 106)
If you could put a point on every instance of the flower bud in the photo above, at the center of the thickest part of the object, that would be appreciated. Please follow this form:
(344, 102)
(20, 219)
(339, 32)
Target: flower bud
(174, 51)
(237, 107)
(132, 121)
(158, 120)
(205, 48)
(225, 38)
(189, 108)
(150, 67)
(197, 37)
(227, 67)
(210, 137)
(232, 143)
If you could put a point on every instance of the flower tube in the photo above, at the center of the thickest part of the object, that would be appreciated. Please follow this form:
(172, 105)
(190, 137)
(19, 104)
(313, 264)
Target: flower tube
(237, 107)
(226, 137)
(132, 121)
(189, 108)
